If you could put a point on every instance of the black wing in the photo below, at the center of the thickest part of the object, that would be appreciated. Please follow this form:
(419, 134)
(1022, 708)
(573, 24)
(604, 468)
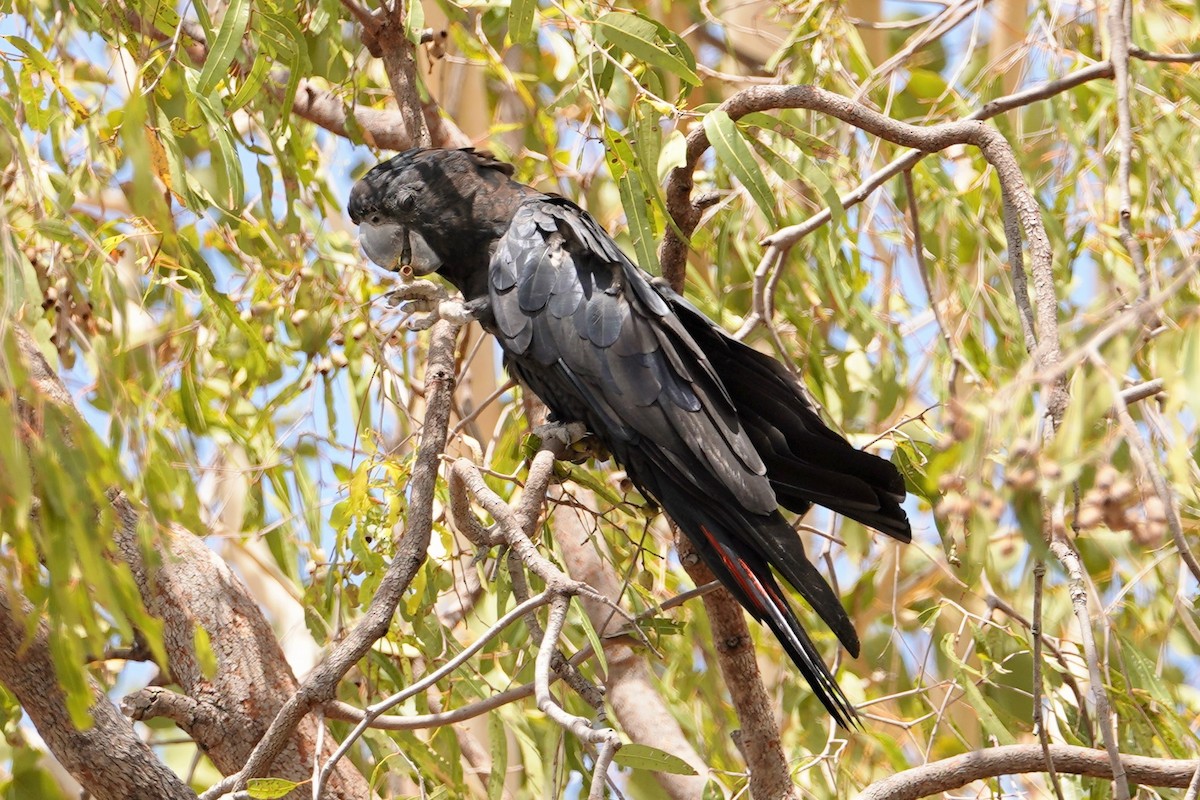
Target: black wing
(597, 343)
(585, 330)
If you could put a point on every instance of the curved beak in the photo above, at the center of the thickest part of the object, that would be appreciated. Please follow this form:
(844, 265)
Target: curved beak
(393, 246)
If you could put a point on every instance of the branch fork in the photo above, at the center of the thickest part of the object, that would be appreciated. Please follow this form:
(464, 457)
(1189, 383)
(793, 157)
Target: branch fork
(514, 526)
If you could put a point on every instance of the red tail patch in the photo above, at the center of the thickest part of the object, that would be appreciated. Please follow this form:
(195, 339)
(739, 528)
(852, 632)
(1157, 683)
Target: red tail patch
(745, 577)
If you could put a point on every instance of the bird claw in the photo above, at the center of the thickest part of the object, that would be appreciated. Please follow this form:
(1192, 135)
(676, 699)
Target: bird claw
(417, 290)
(569, 441)
(424, 302)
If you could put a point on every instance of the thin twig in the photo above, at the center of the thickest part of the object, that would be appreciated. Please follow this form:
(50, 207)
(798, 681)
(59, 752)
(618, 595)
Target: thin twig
(1039, 714)
(1116, 325)
(1141, 391)
(320, 686)
(507, 386)
(376, 709)
(348, 713)
(605, 754)
(945, 21)
(562, 667)
(1119, 13)
(1085, 722)
(673, 251)
(1068, 556)
(603, 738)
(1166, 58)
(512, 524)
(1194, 787)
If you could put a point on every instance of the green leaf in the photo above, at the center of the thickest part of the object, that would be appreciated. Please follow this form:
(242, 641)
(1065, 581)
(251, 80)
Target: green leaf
(587, 480)
(735, 153)
(252, 83)
(796, 164)
(643, 756)
(226, 167)
(926, 85)
(205, 656)
(520, 20)
(414, 20)
(146, 197)
(672, 155)
(639, 37)
(498, 736)
(973, 697)
(224, 49)
(162, 15)
(784, 127)
(38, 60)
(633, 199)
(289, 47)
(594, 638)
(270, 788)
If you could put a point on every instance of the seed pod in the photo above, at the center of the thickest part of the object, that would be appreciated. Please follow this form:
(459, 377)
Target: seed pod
(1122, 491)
(1154, 508)
(1090, 516)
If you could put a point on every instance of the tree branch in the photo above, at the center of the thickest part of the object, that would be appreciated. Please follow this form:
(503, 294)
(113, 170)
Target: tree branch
(1119, 22)
(639, 708)
(344, 711)
(426, 681)
(770, 778)
(1165, 58)
(389, 129)
(1144, 459)
(605, 739)
(1039, 713)
(992, 146)
(1068, 556)
(108, 759)
(400, 64)
(953, 773)
(320, 687)
(672, 254)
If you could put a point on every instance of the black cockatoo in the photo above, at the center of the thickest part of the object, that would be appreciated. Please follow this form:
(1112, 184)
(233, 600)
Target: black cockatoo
(717, 433)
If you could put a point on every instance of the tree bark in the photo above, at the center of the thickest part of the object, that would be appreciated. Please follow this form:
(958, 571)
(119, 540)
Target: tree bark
(189, 586)
(108, 758)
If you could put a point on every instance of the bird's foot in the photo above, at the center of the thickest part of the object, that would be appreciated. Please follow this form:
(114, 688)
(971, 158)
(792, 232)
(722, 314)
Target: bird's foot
(425, 302)
(569, 441)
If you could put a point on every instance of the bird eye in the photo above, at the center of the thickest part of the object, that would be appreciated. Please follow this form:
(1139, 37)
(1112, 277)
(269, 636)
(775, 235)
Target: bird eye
(407, 202)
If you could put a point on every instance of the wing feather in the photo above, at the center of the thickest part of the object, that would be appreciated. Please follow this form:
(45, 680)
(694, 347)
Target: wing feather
(614, 351)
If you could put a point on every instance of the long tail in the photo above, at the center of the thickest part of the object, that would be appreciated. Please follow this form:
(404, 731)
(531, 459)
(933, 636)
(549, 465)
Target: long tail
(740, 549)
